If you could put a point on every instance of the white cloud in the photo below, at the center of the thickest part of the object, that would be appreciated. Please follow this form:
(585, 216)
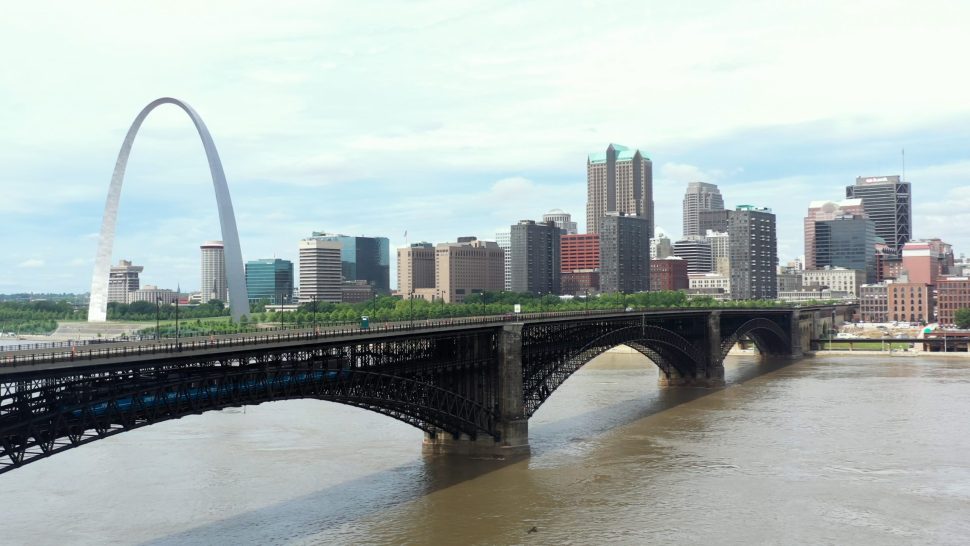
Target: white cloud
(32, 263)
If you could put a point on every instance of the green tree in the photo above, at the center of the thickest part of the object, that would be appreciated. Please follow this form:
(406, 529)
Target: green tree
(962, 317)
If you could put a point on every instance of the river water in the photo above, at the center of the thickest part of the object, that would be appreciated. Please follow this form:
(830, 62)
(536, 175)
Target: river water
(830, 450)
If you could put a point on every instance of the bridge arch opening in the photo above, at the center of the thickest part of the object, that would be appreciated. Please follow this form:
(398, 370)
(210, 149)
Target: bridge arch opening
(673, 355)
(235, 276)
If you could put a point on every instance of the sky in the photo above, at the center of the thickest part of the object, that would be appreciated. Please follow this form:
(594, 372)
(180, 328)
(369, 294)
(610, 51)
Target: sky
(445, 119)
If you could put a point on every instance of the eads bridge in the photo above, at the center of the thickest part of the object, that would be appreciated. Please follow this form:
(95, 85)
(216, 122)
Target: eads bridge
(470, 384)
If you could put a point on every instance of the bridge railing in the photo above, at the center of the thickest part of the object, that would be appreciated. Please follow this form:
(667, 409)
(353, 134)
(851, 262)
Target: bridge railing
(78, 353)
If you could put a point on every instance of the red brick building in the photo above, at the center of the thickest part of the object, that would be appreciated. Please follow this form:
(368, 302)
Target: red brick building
(579, 252)
(668, 274)
(909, 302)
(952, 293)
(578, 282)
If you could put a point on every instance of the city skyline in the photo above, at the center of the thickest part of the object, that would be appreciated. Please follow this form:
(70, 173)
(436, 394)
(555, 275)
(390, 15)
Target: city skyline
(296, 139)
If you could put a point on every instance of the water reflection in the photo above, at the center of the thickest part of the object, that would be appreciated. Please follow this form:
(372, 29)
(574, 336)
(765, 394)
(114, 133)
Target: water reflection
(847, 450)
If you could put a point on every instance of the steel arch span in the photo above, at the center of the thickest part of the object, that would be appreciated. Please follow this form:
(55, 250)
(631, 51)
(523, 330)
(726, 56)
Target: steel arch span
(235, 277)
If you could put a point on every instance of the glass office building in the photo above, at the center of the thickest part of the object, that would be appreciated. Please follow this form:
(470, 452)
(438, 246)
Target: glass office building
(270, 280)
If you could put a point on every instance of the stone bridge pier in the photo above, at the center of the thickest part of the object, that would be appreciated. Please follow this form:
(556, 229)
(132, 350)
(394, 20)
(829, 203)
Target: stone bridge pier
(511, 429)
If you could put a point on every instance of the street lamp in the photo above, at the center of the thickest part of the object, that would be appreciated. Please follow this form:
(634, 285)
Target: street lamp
(484, 312)
(158, 332)
(411, 308)
(178, 290)
(586, 290)
(314, 303)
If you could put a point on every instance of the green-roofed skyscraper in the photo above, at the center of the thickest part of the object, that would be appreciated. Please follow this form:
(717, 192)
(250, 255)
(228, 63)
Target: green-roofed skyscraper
(618, 180)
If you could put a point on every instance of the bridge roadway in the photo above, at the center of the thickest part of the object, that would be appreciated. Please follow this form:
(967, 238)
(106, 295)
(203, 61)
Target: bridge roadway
(471, 384)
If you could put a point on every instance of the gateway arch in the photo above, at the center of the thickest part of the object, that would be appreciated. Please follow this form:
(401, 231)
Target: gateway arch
(235, 277)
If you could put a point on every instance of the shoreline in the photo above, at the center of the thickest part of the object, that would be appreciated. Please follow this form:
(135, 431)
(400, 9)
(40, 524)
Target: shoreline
(893, 354)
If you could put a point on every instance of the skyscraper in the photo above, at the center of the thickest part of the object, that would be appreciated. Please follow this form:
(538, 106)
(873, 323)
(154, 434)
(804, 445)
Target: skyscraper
(847, 241)
(536, 259)
(562, 219)
(888, 202)
(214, 285)
(270, 279)
(320, 270)
(753, 241)
(415, 268)
(700, 196)
(819, 211)
(624, 253)
(363, 259)
(696, 251)
(122, 279)
(504, 241)
(661, 247)
(618, 180)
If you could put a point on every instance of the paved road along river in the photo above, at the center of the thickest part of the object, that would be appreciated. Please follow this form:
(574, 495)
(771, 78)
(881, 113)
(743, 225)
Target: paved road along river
(837, 450)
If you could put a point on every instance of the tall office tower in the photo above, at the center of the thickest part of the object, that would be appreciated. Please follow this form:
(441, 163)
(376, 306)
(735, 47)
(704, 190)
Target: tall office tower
(714, 220)
(536, 258)
(848, 241)
(888, 202)
(468, 267)
(580, 252)
(415, 268)
(122, 279)
(661, 247)
(214, 285)
(270, 279)
(624, 253)
(819, 211)
(696, 251)
(618, 180)
(698, 197)
(504, 241)
(320, 270)
(363, 259)
(562, 219)
(720, 251)
(754, 253)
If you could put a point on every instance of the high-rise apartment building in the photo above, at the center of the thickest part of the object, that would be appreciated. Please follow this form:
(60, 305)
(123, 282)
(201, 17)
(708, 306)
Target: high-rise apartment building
(848, 241)
(720, 251)
(819, 211)
(214, 284)
(122, 279)
(696, 251)
(468, 267)
(887, 201)
(415, 268)
(363, 259)
(536, 258)
(504, 241)
(618, 180)
(562, 219)
(270, 280)
(320, 275)
(624, 253)
(754, 253)
(700, 196)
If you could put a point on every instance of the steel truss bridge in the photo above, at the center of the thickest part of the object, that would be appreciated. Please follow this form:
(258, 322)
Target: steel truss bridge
(470, 384)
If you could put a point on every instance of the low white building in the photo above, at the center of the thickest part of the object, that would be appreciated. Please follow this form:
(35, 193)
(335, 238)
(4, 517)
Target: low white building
(706, 281)
(838, 279)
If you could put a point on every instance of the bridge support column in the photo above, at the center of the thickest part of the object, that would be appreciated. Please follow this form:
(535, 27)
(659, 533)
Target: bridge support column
(795, 332)
(710, 372)
(511, 434)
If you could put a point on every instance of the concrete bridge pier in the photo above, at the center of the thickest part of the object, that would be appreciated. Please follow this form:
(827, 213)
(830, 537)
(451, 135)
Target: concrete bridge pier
(795, 332)
(511, 430)
(708, 373)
